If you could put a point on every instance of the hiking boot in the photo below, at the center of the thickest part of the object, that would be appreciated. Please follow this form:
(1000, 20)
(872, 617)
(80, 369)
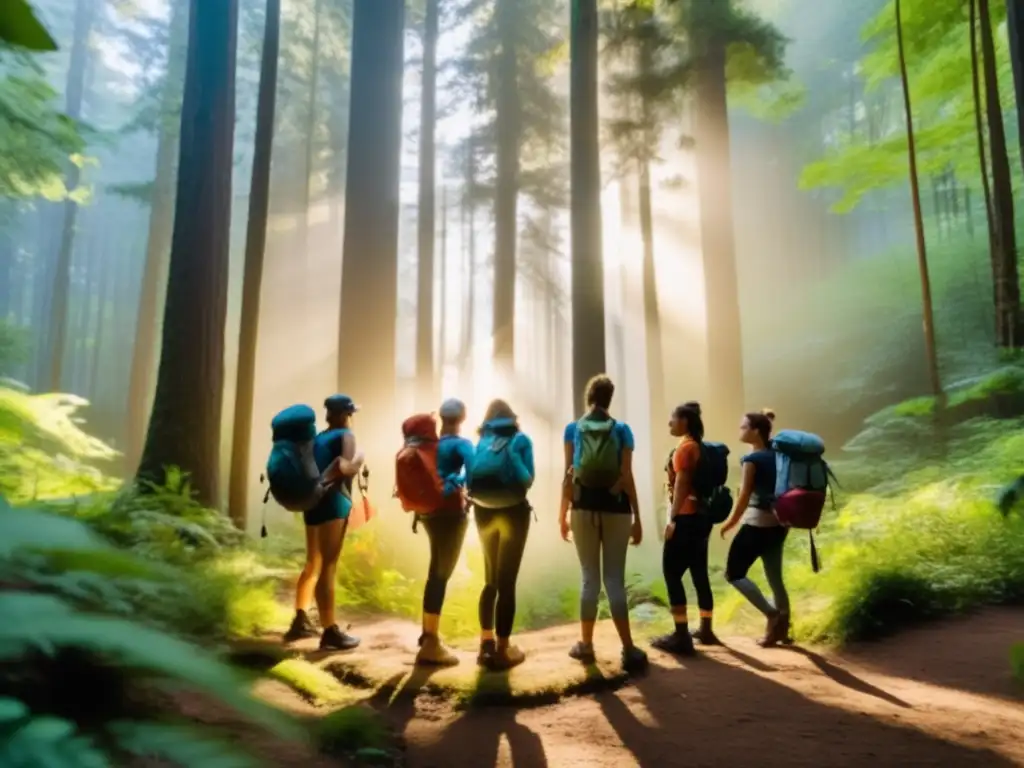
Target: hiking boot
(583, 652)
(676, 643)
(487, 650)
(633, 659)
(506, 658)
(705, 635)
(776, 630)
(433, 653)
(301, 628)
(334, 639)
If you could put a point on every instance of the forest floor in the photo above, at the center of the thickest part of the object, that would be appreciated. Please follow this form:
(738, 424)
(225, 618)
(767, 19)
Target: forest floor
(938, 695)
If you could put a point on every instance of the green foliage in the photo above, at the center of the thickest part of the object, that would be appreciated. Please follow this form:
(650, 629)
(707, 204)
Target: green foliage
(44, 453)
(355, 729)
(36, 140)
(76, 677)
(313, 683)
(20, 27)
(937, 41)
(1017, 661)
(14, 346)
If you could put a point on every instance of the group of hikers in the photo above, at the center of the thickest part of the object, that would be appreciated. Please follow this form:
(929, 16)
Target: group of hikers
(442, 475)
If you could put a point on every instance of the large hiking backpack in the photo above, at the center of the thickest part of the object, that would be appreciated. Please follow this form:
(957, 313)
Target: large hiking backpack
(292, 473)
(491, 480)
(596, 462)
(801, 479)
(417, 485)
(709, 482)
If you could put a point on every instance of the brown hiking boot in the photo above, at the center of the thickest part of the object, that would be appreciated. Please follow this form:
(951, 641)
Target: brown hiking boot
(506, 658)
(433, 653)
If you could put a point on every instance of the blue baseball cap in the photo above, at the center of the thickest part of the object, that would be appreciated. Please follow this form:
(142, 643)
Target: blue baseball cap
(340, 404)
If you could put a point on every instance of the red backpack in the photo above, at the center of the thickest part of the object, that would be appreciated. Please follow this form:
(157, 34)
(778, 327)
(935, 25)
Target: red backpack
(418, 487)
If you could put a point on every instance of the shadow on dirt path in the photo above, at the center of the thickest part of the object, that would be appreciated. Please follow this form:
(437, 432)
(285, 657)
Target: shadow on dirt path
(736, 706)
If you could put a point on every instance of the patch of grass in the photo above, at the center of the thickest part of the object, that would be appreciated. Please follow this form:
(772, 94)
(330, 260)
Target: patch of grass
(1017, 662)
(311, 682)
(356, 731)
(928, 543)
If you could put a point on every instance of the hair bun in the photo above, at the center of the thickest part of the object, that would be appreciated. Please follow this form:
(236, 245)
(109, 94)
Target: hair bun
(693, 405)
(768, 413)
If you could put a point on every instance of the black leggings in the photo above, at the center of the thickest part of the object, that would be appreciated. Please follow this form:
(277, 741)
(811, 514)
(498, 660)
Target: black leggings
(446, 531)
(503, 538)
(687, 550)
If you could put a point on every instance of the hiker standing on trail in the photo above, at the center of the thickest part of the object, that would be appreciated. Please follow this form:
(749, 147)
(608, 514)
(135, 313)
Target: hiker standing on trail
(501, 473)
(599, 487)
(686, 535)
(446, 530)
(760, 535)
(326, 525)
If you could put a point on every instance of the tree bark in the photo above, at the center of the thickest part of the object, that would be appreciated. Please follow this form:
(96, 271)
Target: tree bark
(506, 200)
(255, 248)
(588, 325)
(1008, 315)
(369, 298)
(307, 176)
(915, 192)
(724, 331)
(158, 244)
(85, 16)
(184, 428)
(425, 223)
(1015, 33)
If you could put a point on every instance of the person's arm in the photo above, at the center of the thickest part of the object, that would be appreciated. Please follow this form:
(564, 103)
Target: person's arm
(563, 507)
(683, 464)
(626, 479)
(522, 460)
(746, 489)
(456, 481)
(351, 459)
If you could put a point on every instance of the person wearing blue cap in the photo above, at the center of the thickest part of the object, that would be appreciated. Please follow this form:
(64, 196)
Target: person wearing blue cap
(326, 525)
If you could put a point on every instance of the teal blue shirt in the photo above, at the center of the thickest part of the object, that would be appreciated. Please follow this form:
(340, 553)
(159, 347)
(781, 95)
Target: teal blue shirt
(454, 458)
(327, 447)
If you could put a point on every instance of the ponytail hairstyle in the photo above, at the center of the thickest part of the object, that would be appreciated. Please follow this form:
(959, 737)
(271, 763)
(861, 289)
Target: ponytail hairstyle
(689, 413)
(762, 423)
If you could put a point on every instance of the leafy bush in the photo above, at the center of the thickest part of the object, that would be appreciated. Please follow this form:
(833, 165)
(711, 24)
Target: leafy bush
(44, 453)
(14, 346)
(83, 687)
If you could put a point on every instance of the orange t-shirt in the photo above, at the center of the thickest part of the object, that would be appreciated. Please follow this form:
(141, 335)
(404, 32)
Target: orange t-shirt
(684, 459)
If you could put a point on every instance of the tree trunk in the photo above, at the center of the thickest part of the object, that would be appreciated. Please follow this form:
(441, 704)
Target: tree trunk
(982, 158)
(506, 199)
(1008, 315)
(184, 429)
(724, 332)
(442, 336)
(307, 177)
(471, 252)
(85, 15)
(1015, 33)
(426, 211)
(369, 297)
(106, 279)
(588, 326)
(152, 293)
(252, 283)
(915, 192)
(658, 408)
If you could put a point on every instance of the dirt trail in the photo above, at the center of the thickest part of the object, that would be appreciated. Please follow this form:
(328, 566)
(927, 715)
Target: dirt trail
(939, 696)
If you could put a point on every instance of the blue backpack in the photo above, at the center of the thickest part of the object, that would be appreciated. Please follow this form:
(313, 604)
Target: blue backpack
(292, 472)
(492, 482)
